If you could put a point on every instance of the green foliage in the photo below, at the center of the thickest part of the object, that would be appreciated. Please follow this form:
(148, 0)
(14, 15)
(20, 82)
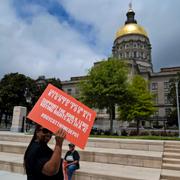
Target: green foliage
(105, 84)
(12, 88)
(43, 84)
(172, 89)
(140, 104)
(55, 82)
(172, 116)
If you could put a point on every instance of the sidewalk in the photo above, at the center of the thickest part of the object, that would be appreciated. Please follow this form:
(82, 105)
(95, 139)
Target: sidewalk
(4, 175)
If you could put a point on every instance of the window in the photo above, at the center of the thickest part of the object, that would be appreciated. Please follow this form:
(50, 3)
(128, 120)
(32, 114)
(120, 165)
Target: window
(69, 91)
(125, 55)
(144, 55)
(166, 99)
(167, 111)
(130, 54)
(77, 91)
(156, 113)
(166, 85)
(137, 54)
(143, 123)
(154, 86)
(155, 99)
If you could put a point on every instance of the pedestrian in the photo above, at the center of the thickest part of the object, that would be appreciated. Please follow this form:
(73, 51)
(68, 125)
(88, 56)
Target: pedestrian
(40, 161)
(71, 160)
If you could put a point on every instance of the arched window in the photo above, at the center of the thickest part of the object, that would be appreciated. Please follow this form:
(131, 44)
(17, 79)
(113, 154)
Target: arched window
(127, 53)
(144, 55)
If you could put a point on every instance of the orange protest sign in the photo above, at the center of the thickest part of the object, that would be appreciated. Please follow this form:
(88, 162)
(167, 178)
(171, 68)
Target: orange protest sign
(55, 109)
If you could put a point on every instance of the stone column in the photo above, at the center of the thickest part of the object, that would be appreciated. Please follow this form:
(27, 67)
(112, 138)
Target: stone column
(19, 117)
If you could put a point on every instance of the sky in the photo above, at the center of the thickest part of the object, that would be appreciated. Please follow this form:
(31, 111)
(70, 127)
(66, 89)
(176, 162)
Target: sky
(63, 38)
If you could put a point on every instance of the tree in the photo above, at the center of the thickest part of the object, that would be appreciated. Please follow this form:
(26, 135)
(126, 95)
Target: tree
(172, 116)
(139, 104)
(42, 83)
(12, 89)
(105, 86)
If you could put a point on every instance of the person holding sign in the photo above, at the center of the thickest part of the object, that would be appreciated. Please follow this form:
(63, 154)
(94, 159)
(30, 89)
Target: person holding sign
(71, 160)
(41, 162)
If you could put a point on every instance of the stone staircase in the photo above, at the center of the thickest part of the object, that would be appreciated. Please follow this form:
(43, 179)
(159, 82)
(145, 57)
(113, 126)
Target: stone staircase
(102, 159)
(171, 161)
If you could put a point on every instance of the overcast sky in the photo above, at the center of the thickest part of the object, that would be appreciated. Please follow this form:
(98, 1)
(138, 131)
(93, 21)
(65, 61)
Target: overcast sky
(63, 38)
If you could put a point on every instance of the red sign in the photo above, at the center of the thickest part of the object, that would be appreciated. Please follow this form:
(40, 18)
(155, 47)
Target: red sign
(55, 109)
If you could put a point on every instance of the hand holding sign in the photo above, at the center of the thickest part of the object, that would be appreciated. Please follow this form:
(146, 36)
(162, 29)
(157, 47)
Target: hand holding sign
(55, 109)
(60, 135)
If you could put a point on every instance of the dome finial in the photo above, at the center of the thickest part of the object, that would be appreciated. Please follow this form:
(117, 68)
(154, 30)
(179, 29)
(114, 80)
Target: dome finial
(130, 5)
(130, 15)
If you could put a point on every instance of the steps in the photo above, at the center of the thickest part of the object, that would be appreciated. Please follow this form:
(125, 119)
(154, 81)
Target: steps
(107, 143)
(113, 156)
(171, 161)
(107, 159)
(170, 174)
(89, 170)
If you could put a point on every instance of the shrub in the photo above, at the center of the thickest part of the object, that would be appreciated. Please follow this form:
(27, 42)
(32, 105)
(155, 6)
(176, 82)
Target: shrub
(115, 134)
(107, 132)
(124, 132)
(155, 133)
(133, 133)
(144, 133)
(163, 133)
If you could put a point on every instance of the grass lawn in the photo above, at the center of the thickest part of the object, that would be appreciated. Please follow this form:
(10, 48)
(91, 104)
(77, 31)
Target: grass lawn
(139, 137)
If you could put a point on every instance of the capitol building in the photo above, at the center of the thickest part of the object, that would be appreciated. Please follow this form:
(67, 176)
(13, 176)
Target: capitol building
(132, 44)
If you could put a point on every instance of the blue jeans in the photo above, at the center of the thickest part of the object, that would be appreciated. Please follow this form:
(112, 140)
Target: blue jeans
(70, 170)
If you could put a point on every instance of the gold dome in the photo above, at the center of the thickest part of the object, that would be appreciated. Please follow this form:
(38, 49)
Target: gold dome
(131, 28)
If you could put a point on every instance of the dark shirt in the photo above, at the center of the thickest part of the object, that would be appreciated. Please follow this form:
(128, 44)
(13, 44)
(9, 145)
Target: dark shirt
(75, 157)
(37, 156)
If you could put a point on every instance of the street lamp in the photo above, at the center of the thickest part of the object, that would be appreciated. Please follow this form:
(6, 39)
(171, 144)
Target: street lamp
(28, 97)
(177, 96)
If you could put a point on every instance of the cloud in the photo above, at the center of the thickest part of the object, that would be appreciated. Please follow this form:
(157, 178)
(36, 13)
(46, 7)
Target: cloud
(159, 18)
(43, 47)
(60, 38)
(103, 15)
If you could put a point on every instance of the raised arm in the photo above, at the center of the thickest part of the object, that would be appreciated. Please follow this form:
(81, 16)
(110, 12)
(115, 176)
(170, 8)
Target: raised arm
(52, 166)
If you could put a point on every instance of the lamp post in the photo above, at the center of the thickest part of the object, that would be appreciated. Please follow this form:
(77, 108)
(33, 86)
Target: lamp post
(28, 97)
(177, 100)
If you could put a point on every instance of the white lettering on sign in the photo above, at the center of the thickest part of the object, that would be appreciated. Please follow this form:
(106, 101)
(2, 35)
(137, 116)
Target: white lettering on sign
(64, 115)
(72, 105)
(48, 105)
(55, 122)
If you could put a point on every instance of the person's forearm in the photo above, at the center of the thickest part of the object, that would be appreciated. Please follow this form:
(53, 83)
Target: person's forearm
(53, 165)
